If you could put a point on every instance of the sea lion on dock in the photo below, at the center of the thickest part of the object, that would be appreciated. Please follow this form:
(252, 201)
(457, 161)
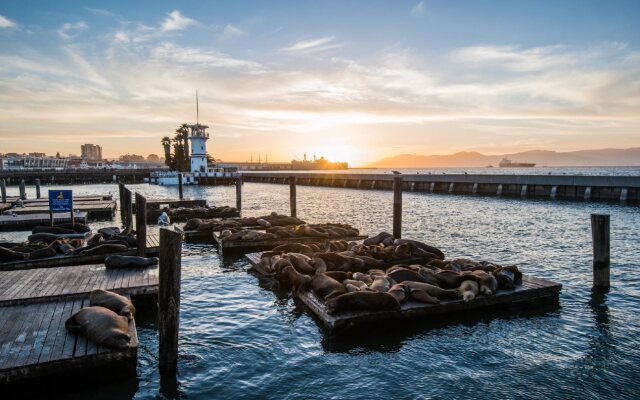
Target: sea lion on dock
(433, 290)
(400, 292)
(101, 325)
(423, 296)
(293, 248)
(301, 263)
(359, 276)
(104, 249)
(121, 305)
(11, 255)
(319, 265)
(469, 290)
(377, 239)
(42, 253)
(380, 284)
(431, 249)
(192, 224)
(362, 301)
(488, 283)
(117, 261)
(404, 274)
(338, 275)
(352, 285)
(296, 279)
(449, 279)
(326, 287)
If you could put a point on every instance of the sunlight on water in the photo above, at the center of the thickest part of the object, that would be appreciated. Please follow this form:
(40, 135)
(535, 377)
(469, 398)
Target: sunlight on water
(240, 339)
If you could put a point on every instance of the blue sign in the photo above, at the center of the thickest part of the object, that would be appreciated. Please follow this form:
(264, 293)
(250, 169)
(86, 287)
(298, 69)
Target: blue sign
(60, 200)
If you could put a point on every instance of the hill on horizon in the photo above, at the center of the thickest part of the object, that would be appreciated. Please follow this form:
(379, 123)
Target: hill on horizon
(542, 158)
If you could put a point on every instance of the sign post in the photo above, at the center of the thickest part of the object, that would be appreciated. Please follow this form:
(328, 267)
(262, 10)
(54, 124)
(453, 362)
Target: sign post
(61, 200)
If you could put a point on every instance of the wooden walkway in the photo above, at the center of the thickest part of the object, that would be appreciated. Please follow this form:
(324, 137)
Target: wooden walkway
(153, 249)
(102, 209)
(244, 246)
(254, 260)
(531, 290)
(24, 222)
(34, 342)
(46, 284)
(156, 204)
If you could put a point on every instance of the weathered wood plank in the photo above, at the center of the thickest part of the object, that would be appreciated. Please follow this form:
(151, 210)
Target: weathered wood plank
(243, 246)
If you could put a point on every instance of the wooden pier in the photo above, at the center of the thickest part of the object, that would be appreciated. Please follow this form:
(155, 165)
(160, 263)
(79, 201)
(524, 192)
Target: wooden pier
(624, 189)
(531, 290)
(60, 260)
(156, 204)
(245, 246)
(96, 210)
(25, 222)
(34, 305)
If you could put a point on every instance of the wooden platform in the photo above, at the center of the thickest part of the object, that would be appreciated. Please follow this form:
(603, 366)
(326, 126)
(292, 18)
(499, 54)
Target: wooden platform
(102, 209)
(254, 260)
(531, 290)
(34, 343)
(244, 247)
(152, 216)
(25, 222)
(153, 249)
(48, 284)
(45, 200)
(201, 236)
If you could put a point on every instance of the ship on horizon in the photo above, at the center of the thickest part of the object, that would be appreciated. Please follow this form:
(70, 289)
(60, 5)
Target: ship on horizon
(506, 163)
(317, 164)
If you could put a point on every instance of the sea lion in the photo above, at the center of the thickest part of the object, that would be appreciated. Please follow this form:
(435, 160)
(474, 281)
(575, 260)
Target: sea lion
(359, 276)
(101, 325)
(11, 255)
(326, 287)
(380, 284)
(377, 239)
(431, 249)
(42, 253)
(121, 305)
(404, 274)
(423, 296)
(192, 224)
(449, 279)
(338, 275)
(296, 279)
(433, 290)
(506, 277)
(376, 272)
(358, 285)
(279, 264)
(294, 248)
(319, 265)
(403, 251)
(488, 283)
(109, 231)
(469, 290)
(400, 292)
(301, 263)
(105, 249)
(116, 261)
(362, 301)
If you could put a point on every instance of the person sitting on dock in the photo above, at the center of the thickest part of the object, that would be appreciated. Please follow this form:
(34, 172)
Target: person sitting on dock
(163, 219)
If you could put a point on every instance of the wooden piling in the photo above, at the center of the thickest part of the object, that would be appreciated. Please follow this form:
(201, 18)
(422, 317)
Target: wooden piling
(141, 224)
(122, 201)
(37, 188)
(169, 300)
(600, 225)
(397, 207)
(292, 195)
(129, 207)
(3, 190)
(180, 185)
(239, 193)
(23, 190)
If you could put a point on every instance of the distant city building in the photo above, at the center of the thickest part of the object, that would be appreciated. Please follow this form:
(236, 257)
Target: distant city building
(91, 152)
(14, 161)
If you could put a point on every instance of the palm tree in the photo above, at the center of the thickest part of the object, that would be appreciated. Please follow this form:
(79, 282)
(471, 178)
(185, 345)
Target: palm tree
(184, 130)
(166, 143)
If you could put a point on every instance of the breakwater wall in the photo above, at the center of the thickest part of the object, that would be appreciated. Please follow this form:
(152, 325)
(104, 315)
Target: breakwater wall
(71, 177)
(570, 187)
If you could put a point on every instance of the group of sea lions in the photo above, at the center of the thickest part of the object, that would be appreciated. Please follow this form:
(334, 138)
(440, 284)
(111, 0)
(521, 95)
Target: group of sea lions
(347, 280)
(105, 321)
(325, 231)
(68, 239)
(217, 224)
(187, 213)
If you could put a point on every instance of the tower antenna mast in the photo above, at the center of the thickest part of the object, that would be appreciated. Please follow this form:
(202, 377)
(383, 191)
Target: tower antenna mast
(197, 109)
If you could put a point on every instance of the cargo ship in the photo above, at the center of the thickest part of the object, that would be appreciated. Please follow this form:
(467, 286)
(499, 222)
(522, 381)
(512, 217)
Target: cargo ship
(506, 163)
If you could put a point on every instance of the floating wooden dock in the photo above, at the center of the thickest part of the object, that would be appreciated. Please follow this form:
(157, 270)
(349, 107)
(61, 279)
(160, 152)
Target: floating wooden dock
(34, 305)
(34, 343)
(102, 209)
(60, 260)
(531, 290)
(244, 246)
(25, 222)
(254, 260)
(201, 236)
(48, 284)
(156, 204)
(152, 216)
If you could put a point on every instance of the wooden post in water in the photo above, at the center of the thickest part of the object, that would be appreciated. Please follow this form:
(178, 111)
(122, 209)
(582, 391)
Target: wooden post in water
(600, 225)
(292, 195)
(239, 193)
(37, 188)
(129, 208)
(180, 185)
(23, 191)
(397, 207)
(3, 189)
(141, 224)
(169, 301)
(122, 201)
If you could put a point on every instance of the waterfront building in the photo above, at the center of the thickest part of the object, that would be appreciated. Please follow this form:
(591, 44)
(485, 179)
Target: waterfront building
(91, 152)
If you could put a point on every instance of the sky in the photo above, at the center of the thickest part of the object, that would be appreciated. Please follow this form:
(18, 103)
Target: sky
(352, 81)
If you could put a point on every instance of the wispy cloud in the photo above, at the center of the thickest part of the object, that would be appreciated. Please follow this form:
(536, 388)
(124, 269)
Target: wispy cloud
(100, 11)
(419, 9)
(6, 22)
(233, 31)
(176, 21)
(312, 45)
(70, 30)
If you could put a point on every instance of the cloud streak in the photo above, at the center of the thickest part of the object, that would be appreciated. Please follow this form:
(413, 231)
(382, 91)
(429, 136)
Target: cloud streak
(176, 21)
(6, 22)
(70, 30)
(312, 45)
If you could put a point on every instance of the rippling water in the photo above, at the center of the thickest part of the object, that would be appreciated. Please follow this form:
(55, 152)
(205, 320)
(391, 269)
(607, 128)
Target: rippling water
(241, 339)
